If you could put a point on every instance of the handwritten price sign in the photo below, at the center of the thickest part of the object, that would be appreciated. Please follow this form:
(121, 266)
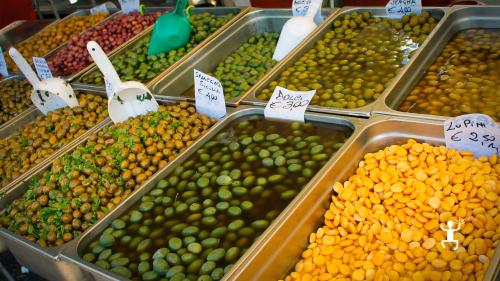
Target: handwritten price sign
(473, 132)
(129, 6)
(209, 95)
(42, 68)
(396, 9)
(3, 65)
(288, 105)
(300, 7)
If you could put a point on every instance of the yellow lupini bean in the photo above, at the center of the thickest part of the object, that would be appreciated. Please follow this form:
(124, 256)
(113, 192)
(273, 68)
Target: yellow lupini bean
(385, 222)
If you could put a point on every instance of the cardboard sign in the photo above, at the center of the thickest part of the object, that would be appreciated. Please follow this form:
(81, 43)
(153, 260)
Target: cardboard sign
(209, 95)
(396, 9)
(473, 132)
(42, 68)
(288, 105)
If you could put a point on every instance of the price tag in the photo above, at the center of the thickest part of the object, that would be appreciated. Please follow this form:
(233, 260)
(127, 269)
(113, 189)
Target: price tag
(473, 132)
(42, 68)
(99, 9)
(209, 95)
(300, 7)
(109, 89)
(396, 9)
(287, 104)
(3, 65)
(129, 6)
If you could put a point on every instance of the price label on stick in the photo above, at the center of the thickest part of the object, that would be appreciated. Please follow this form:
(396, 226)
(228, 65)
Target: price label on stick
(3, 65)
(396, 9)
(42, 68)
(300, 7)
(287, 104)
(99, 9)
(129, 6)
(473, 132)
(209, 95)
(109, 89)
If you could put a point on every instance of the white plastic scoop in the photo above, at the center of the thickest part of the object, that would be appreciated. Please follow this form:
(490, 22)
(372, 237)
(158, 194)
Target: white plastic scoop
(128, 99)
(295, 30)
(48, 94)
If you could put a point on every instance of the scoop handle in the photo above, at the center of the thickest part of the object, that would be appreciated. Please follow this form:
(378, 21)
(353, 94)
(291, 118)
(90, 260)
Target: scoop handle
(104, 64)
(313, 8)
(181, 7)
(25, 67)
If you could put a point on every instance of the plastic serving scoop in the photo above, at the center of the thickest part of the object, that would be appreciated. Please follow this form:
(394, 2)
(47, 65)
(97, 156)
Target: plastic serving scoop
(294, 31)
(129, 99)
(48, 94)
(171, 30)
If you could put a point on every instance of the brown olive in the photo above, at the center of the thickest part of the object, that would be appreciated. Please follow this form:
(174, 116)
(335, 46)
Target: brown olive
(99, 174)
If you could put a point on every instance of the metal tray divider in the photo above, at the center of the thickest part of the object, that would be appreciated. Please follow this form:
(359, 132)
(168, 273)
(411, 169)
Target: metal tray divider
(280, 250)
(132, 42)
(427, 54)
(167, 84)
(310, 42)
(70, 254)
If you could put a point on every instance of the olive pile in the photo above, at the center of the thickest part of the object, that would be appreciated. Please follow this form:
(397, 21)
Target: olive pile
(464, 78)
(197, 222)
(135, 64)
(109, 35)
(81, 186)
(50, 38)
(245, 66)
(14, 98)
(34, 142)
(353, 63)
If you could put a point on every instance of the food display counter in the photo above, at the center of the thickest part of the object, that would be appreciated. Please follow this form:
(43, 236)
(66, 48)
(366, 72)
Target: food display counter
(365, 188)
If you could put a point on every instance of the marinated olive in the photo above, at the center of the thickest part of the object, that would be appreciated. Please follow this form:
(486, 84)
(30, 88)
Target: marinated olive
(135, 64)
(90, 180)
(34, 142)
(15, 97)
(354, 62)
(463, 79)
(51, 37)
(229, 219)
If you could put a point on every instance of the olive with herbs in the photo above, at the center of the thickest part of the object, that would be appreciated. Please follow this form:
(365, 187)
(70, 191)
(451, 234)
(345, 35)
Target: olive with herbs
(87, 182)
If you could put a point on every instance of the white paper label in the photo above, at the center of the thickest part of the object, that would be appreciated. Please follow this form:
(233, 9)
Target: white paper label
(42, 68)
(473, 132)
(396, 9)
(287, 104)
(300, 7)
(129, 6)
(3, 65)
(209, 95)
(109, 89)
(99, 9)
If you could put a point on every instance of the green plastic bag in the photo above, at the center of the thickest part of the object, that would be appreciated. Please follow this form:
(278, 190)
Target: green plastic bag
(171, 31)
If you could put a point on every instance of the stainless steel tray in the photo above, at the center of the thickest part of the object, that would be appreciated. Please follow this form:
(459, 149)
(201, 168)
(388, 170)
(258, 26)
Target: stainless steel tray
(71, 77)
(71, 253)
(458, 18)
(84, 12)
(281, 248)
(179, 83)
(45, 261)
(27, 117)
(13, 119)
(310, 42)
(238, 12)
